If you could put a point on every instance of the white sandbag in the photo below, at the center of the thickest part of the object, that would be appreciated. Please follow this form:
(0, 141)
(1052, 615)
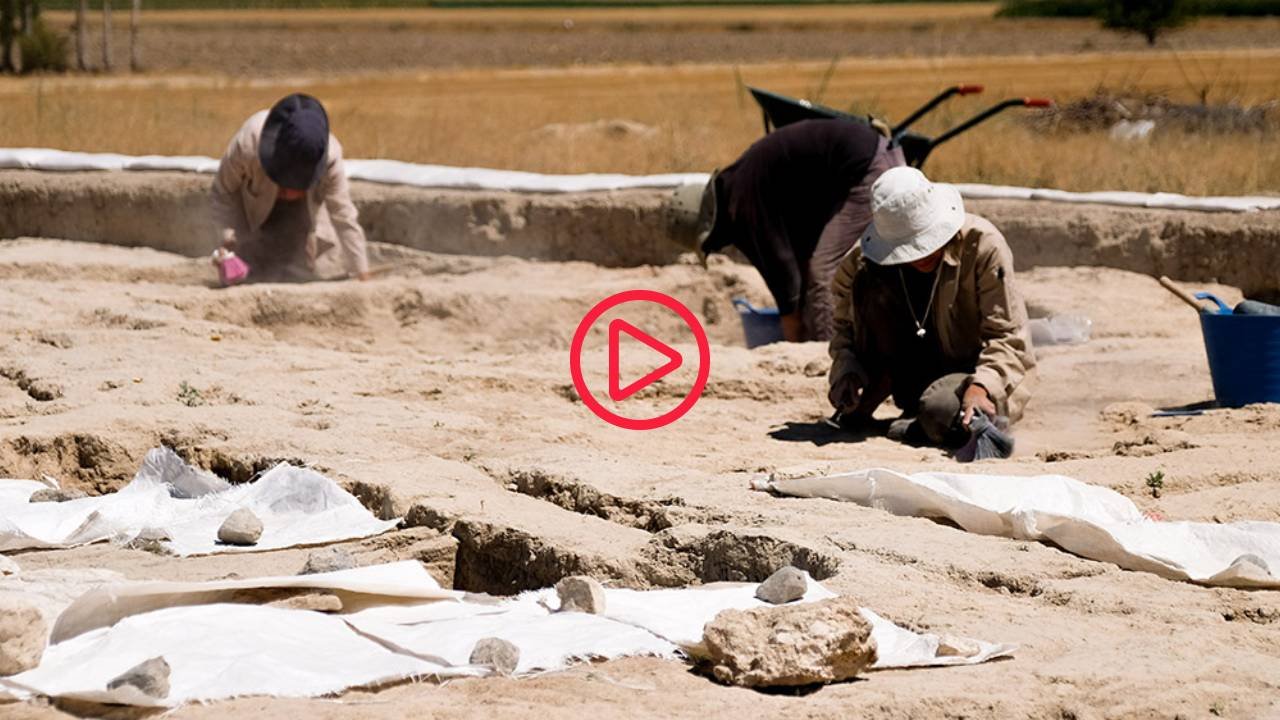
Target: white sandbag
(298, 506)
(217, 652)
(469, 178)
(1088, 520)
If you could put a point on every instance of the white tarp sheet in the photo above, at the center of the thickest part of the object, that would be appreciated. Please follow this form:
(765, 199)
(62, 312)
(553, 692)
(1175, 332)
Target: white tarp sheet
(297, 506)
(222, 650)
(1088, 520)
(463, 178)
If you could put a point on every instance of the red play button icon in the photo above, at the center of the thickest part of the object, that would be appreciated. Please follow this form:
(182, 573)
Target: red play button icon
(667, 361)
(616, 391)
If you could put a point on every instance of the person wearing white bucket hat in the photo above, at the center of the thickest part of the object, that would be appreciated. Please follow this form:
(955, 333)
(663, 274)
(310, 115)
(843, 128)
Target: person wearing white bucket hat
(927, 311)
(794, 203)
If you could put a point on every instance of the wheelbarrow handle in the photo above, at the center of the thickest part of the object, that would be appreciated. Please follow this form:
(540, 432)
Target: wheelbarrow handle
(938, 99)
(987, 114)
(1223, 308)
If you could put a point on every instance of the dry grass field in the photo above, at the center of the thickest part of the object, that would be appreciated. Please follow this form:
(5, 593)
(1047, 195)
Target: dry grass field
(685, 117)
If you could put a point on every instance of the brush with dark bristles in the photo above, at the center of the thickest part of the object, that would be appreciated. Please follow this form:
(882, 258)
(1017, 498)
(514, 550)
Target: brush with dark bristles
(986, 440)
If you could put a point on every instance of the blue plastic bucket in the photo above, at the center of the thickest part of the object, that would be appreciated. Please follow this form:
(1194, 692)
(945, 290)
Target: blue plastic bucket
(760, 326)
(1244, 355)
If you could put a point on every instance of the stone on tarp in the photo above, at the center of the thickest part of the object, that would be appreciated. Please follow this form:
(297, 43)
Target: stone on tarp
(241, 527)
(791, 645)
(785, 585)
(150, 677)
(497, 653)
(23, 635)
(579, 593)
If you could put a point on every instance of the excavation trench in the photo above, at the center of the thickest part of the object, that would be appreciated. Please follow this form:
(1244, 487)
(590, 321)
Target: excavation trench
(170, 211)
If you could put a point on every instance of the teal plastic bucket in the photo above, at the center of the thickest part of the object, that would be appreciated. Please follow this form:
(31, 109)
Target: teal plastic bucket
(760, 326)
(1244, 355)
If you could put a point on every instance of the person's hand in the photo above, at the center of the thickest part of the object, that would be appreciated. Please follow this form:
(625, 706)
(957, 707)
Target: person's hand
(845, 392)
(229, 244)
(792, 327)
(976, 398)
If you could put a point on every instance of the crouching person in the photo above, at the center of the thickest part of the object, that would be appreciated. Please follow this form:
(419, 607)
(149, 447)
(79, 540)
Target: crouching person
(281, 199)
(926, 311)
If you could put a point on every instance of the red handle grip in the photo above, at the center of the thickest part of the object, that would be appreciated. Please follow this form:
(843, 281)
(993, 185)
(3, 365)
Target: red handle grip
(1037, 102)
(969, 89)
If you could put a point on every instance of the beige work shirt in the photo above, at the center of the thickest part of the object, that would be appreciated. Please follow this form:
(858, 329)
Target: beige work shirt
(977, 312)
(243, 197)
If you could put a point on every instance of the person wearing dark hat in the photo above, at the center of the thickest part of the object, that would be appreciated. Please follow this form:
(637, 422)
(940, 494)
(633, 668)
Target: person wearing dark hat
(794, 203)
(281, 199)
(927, 311)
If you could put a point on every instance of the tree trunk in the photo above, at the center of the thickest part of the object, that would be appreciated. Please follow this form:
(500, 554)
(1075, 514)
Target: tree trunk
(135, 55)
(106, 35)
(7, 17)
(82, 35)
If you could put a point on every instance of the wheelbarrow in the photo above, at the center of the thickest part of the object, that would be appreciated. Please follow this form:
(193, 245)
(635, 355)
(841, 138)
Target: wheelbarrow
(780, 110)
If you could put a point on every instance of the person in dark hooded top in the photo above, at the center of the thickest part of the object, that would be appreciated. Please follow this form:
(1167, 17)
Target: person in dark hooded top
(795, 203)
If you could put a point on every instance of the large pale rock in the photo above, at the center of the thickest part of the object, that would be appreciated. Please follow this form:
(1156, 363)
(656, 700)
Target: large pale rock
(802, 644)
(497, 653)
(579, 593)
(326, 560)
(23, 635)
(241, 527)
(783, 586)
(150, 677)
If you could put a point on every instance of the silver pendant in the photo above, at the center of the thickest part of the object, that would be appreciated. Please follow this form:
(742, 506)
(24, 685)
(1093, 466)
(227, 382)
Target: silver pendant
(920, 333)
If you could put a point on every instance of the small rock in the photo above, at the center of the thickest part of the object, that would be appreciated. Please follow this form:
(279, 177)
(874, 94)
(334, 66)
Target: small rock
(783, 586)
(43, 390)
(59, 340)
(151, 540)
(23, 635)
(579, 593)
(56, 495)
(150, 678)
(497, 653)
(327, 560)
(316, 601)
(241, 527)
(7, 566)
(792, 645)
(816, 368)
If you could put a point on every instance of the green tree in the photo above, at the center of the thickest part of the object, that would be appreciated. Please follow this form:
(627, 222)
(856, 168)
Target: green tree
(1148, 18)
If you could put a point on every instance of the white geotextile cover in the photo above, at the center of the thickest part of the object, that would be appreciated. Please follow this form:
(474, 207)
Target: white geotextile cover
(220, 650)
(1088, 520)
(464, 178)
(297, 506)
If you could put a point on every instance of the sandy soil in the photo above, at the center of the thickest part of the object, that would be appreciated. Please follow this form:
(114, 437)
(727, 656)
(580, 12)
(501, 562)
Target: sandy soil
(441, 391)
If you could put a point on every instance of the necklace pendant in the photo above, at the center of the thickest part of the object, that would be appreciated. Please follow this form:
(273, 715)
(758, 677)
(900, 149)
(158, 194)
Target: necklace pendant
(920, 333)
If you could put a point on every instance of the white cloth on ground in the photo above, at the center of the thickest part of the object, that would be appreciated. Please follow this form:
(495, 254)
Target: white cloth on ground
(465, 178)
(297, 507)
(1091, 521)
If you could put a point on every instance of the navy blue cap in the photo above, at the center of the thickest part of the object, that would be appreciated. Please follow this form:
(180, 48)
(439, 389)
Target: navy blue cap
(295, 142)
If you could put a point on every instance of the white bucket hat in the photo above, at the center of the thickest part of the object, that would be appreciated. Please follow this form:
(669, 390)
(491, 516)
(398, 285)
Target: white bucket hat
(911, 217)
